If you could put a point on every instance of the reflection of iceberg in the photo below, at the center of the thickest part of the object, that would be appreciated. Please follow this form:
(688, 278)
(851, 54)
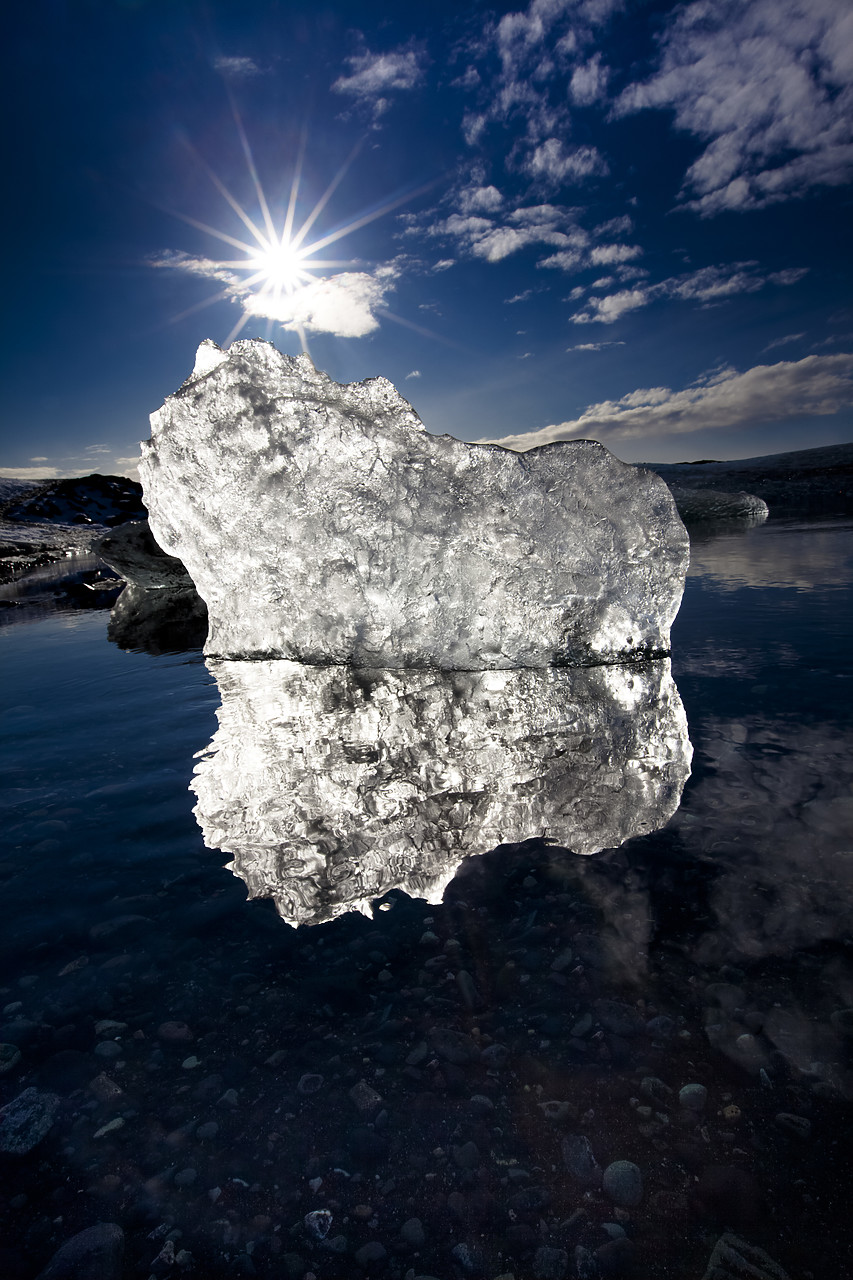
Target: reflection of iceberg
(332, 785)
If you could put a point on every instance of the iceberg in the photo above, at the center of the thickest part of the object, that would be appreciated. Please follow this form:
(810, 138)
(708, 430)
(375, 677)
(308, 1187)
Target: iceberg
(330, 786)
(322, 523)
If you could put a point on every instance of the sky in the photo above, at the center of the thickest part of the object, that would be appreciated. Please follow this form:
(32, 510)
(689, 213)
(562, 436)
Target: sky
(621, 220)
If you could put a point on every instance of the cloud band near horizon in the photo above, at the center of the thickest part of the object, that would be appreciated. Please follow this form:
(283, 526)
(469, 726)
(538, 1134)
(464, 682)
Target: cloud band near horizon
(819, 385)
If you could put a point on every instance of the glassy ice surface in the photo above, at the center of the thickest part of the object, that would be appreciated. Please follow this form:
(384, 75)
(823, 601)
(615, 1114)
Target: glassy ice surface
(287, 1101)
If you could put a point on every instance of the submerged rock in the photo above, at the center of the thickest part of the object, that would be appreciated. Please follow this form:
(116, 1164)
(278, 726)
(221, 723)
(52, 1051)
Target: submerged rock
(26, 1120)
(93, 1254)
(323, 523)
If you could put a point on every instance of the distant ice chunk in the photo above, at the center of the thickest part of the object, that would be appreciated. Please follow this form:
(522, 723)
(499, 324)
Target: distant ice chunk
(322, 523)
(712, 506)
(330, 786)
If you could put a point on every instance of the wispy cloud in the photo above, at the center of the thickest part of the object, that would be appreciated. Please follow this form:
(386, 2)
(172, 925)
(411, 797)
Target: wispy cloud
(708, 285)
(594, 346)
(503, 231)
(530, 68)
(782, 342)
(374, 75)
(816, 385)
(558, 164)
(30, 473)
(415, 373)
(768, 86)
(236, 68)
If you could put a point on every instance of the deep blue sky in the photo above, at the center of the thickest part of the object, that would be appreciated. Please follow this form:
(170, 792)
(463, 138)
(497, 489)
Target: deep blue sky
(606, 218)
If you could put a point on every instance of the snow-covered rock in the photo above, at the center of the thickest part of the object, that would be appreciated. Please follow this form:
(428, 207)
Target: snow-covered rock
(330, 786)
(323, 523)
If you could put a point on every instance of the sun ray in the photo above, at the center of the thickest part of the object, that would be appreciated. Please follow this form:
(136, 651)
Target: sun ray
(235, 204)
(327, 195)
(250, 161)
(294, 186)
(365, 218)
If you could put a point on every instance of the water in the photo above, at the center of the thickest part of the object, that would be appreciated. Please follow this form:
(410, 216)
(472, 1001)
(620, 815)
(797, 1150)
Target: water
(714, 951)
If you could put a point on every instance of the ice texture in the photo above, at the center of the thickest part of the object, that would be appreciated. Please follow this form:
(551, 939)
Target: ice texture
(332, 785)
(322, 523)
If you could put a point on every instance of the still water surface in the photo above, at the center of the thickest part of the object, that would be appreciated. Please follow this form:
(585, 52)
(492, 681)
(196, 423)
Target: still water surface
(716, 951)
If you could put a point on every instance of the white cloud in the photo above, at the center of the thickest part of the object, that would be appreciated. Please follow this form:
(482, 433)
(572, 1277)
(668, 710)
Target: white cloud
(543, 66)
(343, 305)
(589, 82)
(708, 285)
(620, 226)
(374, 74)
(519, 297)
(555, 163)
(783, 342)
(29, 473)
(594, 346)
(237, 68)
(176, 259)
(444, 264)
(38, 459)
(610, 308)
(415, 373)
(816, 385)
(614, 253)
(479, 199)
(768, 86)
(491, 240)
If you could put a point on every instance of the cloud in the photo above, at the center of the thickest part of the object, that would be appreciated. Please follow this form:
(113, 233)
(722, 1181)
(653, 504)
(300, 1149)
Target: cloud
(557, 164)
(38, 459)
(492, 240)
(589, 82)
(343, 305)
(236, 68)
(444, 264)
(519, 297)
(816, 385)
(768, 86)
(29, 473)
(782, 342)
(479, 199)
(543, 68)
(177, 260)
(374, 74)
(594, 346)
(415, 373)
(614, 253)
(708, 285)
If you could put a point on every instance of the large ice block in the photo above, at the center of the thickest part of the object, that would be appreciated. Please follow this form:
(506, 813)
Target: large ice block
(322, 523)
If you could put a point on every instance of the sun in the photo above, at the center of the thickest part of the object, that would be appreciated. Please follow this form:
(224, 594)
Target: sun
(279, 267)
(279, 255)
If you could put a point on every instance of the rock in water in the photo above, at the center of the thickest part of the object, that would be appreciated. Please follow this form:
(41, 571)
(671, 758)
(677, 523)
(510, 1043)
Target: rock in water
(323, 523)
